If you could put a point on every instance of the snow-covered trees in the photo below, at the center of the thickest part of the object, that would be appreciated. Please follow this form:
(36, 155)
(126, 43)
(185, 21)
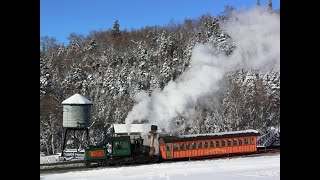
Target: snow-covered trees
(116, 29)
(252, 100)
(110, 71)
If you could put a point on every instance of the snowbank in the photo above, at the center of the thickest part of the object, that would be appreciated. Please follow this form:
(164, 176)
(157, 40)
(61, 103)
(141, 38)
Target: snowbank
(242, 168)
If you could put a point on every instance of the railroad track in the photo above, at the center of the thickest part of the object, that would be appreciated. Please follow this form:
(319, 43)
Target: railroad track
(80, 165)
(62, 163)
(270, 149)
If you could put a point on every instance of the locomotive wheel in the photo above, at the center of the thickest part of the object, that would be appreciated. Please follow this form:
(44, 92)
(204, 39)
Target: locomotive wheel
(88, 163)
(103, 163)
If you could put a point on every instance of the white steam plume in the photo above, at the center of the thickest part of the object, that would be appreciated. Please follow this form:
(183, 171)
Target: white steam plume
(257, 37)
(141, 110)
(256, 34)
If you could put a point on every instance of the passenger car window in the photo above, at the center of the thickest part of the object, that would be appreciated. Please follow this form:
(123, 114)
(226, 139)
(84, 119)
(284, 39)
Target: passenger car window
(245, 140)
(194, 145)
(168, 147)
(199, 145)
(175, 147)
(240, 141)
(229, 142)
(218, 143)
(206, 144)
(235, 143)
(182, 146)
(223, 143)
(251, 140)
(211, 144)
(188, 146)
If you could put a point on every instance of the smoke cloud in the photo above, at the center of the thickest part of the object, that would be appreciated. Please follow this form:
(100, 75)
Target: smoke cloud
(256, 34)
(140, 111)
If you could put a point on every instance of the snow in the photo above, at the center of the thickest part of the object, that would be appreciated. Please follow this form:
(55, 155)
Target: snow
(76, 99)
(266, 167)
(222, 133)
(134, 128)
(49, 159)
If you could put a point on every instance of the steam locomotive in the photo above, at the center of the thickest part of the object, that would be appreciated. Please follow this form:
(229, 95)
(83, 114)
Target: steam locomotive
(154, 148)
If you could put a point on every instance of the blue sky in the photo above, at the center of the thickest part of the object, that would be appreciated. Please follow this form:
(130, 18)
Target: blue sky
(59, 18)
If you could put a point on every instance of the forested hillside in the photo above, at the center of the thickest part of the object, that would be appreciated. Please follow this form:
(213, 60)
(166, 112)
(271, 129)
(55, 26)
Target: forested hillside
(110, 67)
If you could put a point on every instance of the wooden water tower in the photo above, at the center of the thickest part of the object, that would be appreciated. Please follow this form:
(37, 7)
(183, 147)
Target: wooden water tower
(76, 117)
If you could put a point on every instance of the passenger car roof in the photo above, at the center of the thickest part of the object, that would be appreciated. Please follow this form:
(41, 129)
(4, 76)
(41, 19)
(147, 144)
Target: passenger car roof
(192, 137)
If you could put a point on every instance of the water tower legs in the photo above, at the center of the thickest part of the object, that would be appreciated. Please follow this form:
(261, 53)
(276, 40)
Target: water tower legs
(88, 140)
(64, 141)
(68, 131)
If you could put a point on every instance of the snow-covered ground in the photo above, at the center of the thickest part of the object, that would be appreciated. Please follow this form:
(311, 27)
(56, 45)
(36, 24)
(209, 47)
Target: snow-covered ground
(57, 158)
(49, 159)
(240, 168)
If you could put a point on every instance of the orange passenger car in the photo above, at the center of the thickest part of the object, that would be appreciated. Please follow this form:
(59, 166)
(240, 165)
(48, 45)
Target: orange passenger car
(200, 145)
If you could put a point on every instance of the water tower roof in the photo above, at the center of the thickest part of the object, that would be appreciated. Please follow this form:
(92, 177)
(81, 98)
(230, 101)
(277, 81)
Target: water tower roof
(77, 99)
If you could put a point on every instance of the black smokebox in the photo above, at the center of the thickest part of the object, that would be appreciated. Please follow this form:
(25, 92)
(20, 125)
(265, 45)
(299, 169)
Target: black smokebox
(154, 128)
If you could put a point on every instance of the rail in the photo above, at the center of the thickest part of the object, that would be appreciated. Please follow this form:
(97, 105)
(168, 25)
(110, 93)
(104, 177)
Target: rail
(62, 163)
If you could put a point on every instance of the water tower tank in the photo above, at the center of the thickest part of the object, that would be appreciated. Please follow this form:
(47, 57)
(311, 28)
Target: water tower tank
(76, 112)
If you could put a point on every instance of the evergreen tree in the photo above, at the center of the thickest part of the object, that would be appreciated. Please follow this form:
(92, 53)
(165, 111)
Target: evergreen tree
(116, 29)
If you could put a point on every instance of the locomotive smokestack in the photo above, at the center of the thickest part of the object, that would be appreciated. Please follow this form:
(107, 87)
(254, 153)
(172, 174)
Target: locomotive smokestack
(153, 132)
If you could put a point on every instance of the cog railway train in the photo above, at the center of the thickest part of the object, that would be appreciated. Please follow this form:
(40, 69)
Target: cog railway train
(154, 147)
